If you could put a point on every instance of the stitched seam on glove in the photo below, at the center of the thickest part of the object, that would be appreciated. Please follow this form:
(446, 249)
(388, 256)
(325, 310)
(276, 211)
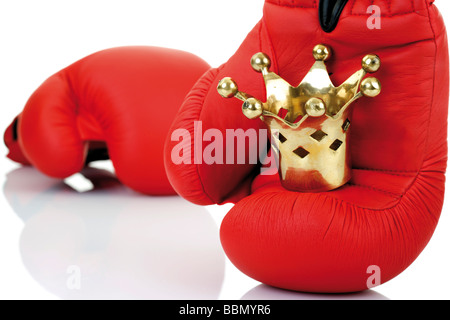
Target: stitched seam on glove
(427, 139)
(270, 42)
(391, 172)
(217, 72)
(64, 76)
(394, 195)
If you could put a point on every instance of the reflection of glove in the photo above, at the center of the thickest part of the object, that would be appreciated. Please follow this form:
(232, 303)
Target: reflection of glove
(327, 242)
(125, 246)
(122, 99)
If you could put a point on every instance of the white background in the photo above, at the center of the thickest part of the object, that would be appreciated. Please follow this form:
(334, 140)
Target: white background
(127, 245)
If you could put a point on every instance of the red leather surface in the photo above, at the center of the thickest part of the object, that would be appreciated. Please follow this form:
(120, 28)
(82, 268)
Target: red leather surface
(126, 97)
(386, 215)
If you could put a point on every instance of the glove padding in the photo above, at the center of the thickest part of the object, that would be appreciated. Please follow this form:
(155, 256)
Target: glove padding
(117, 104)
(385, 216)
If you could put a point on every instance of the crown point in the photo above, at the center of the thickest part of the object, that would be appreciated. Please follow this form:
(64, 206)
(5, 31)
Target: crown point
(315, 107)
(227, 88)
(260, 61)
(252, 108)
(321, 52)
(370, 87)
(371, 63)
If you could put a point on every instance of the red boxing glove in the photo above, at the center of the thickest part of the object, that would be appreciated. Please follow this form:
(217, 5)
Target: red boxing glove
(117, 104)
(374, 227)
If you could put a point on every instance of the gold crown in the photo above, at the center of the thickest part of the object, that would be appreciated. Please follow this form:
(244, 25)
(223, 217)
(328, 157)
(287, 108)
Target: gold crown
(311, 123)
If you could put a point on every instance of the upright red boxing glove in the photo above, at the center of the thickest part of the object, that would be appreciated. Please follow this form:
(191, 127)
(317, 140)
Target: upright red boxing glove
(117, 104)
(371, 229)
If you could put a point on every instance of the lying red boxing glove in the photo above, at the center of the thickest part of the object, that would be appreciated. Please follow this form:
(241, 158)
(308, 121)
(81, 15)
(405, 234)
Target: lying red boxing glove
(117, 104)
(378, 223)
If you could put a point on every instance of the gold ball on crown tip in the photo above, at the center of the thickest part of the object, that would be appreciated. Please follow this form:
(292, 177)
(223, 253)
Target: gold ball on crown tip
(252, 108)
(371, 87)
(371, 63)
(260, 61)
(315, 107)
(321, 52)
(227, 88)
